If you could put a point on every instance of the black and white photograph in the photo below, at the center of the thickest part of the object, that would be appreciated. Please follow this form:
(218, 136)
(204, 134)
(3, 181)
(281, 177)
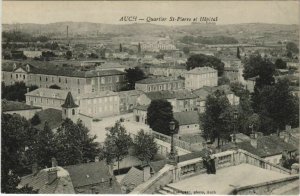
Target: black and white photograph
(150, 97)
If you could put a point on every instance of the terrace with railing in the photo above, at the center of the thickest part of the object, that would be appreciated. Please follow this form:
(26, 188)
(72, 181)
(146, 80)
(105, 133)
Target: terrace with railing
(170, 174)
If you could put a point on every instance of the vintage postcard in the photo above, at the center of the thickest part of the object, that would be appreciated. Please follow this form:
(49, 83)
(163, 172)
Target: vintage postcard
(150, 97)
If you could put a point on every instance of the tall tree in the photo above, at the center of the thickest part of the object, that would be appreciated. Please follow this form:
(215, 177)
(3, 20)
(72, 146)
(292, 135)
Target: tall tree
(145, 146)
(74, 144)
(238, 55)
(254, 65)
(292, 47)
(14, 129)
(159, 115)
(120, 48)
(133, 75)
(139, 48)
(280, 64)
(217, 118)
(202, 60)
(186, 50)
(69, 54)
(116, 144)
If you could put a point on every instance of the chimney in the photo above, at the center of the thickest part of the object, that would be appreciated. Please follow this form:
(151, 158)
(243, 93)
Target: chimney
(27, 89)
(52, 175)
(146, 173)
(54, 162)
(34, 168)
(253, 139)
(96, 158)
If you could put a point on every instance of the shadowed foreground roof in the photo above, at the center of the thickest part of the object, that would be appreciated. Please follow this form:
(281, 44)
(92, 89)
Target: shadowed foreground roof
(52, 116)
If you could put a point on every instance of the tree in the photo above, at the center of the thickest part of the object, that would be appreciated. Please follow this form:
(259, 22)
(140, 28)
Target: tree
(280, 64)
(277, 106)
(120, 48)
(133, 75)
(202, 60)
(186, 50)
(14, 129)
(42, 147)
(116, 144)
(223, 80)
(74, 144)
(292, 47)
(217, 118)
(16, 92)
(238, 55)
(54, 86)
(69, 54)
(159, 115)
(145, 146)
(35, 120)
(139, 48)
(289, 54)
(94, 56)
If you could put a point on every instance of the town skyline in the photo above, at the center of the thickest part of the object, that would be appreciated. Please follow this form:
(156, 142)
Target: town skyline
(231, 12)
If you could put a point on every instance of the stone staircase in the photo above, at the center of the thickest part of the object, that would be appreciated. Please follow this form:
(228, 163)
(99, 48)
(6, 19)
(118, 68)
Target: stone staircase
(166, 190)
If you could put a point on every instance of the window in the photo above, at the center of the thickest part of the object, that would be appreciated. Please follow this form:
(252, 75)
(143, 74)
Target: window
(52, 79)
(73, 111)
(66, 80)
(41, 100)
(78, 91)
(102, 80)
(40, 78)
(78, 81)
(46, 79)
(59, 80)
(16, 75)
(117, 78)
(10, 75)
(65, 111)
(47, 100)
(93, 90)
(24, 77)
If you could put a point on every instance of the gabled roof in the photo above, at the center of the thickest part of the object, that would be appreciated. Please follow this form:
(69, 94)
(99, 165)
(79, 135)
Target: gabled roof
(187, 118)
(48, 92)
(202, 70)
(133, 177)
(62, 184)
(91, 174)
(16, 106)
(158, 80)
(160, 95)
(69, 102)
(184, 94)
(141, 107)
(267, 146)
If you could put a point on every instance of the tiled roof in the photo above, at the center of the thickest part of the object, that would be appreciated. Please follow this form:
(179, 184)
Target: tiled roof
(201, 70)
(62, 184)
(160, 95)
(62, 71)
(130, 93)
(52, 116)
(201, 93)
(187, 118)
(141, 107)
(48, 92)
(133, 177)
(69, 102)
(16, 106)
(158, 80)
(267, 146)
(93, 173)
(98, 94)
(184, 94)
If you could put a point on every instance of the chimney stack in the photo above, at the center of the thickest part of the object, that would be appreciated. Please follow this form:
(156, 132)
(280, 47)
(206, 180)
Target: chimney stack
(52, 175)
(34, 168)
(54, 162)
(253, 139)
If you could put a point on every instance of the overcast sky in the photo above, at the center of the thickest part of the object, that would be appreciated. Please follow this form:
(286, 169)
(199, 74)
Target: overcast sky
(229, 12)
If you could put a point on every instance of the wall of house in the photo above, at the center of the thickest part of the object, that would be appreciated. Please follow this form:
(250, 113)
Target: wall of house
(45, 102)
(100, 106)
(170, 85)
(183, 105)
(196, 81)
(189, 129)
(28, 114)
(140, 116)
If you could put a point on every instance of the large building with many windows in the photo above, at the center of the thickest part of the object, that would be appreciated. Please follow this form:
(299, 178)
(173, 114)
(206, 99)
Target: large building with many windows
(201, 76)
(67, 78)
(159, 84)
